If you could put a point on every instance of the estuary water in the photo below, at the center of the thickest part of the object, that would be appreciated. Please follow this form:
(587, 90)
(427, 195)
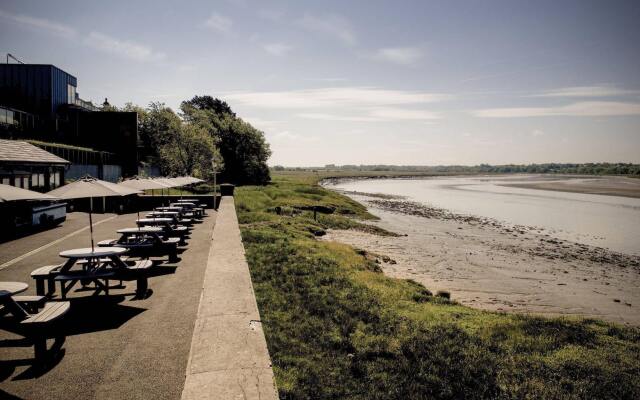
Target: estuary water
(611, 222)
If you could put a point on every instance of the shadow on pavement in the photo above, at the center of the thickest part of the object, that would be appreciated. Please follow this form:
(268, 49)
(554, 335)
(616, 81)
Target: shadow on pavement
(86, 315)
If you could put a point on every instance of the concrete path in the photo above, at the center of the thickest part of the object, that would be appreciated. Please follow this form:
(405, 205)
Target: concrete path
(229, 357)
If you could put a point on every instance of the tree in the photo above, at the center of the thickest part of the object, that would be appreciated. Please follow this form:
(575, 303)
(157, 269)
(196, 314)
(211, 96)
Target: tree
(190, 153)
(243, 148)
(209, 103)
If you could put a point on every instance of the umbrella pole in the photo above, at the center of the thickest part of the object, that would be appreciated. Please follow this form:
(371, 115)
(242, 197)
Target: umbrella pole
(91, 220)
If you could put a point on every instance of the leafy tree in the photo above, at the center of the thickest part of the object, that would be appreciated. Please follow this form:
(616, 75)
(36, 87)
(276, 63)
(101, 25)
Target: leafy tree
(209, 103)
(191, 153)
(243, 148)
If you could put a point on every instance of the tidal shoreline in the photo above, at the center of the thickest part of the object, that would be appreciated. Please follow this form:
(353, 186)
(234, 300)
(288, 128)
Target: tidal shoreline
(492, 265)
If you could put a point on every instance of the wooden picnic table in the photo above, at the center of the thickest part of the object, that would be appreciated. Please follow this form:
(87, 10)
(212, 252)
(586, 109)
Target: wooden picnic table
(175, 209)
(156, 229)
(184, 204)
(34, 324)
(100, 263)
(154, 221)
(9, 289)
(194, 207)
(161, 214)
(145, 242)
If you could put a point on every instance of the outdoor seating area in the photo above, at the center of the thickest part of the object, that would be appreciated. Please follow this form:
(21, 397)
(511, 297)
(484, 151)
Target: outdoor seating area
(146, 248)
(139, 254)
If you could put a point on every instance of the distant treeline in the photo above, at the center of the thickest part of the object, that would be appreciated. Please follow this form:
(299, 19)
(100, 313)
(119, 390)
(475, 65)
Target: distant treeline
(551, 168)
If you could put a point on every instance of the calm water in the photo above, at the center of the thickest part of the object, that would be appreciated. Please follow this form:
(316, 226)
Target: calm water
(606, 221)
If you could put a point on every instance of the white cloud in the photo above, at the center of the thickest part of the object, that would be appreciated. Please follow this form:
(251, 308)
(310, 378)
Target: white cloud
(586, 91)
(289, 137)
(336, 117)
(580, 109)
(219, 23)
(537, 132)
(399, 55)
(386, 114)
(123, 48)
(40, 23)
(262, 124)
(333, 97)
(330, 25)
(277, 49)
(403, 114)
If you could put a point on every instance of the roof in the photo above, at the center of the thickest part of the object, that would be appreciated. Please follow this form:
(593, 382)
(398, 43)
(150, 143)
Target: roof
(18, 151)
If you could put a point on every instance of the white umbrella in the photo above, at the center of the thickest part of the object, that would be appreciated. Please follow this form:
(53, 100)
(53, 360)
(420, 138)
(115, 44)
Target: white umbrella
(91, 187)
(143, 183)
(12, 193)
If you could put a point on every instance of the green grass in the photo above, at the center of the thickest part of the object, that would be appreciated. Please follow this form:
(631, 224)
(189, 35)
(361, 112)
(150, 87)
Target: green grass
(338, 328)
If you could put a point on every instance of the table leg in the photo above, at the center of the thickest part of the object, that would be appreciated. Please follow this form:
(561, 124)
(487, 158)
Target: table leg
(13, 307)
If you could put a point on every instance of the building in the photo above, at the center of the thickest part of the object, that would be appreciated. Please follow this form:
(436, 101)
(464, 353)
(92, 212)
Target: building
(29, 167)
(41, 103)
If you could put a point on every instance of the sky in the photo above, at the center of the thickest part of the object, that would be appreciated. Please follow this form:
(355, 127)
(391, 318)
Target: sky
(365, 82)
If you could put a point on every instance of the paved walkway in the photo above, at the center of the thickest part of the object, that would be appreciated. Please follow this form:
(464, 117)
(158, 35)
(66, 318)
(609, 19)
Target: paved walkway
(229, 357)
(115, 349)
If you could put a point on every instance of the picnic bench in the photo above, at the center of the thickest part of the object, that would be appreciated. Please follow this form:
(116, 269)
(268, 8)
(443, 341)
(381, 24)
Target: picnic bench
(194, 207)
(145, 242)
(96, 266)
(33, 323)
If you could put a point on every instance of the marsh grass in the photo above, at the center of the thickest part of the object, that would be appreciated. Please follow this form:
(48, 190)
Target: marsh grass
(338, 328)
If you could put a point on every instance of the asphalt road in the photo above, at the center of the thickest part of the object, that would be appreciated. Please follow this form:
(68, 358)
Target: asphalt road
(116, 347)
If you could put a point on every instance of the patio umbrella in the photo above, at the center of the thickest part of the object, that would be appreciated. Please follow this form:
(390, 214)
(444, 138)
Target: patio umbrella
(167, 182)
(12, 193)
(142, 184)
(91, 187)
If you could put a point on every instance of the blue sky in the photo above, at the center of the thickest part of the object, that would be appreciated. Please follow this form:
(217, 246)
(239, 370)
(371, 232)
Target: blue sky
(372, 82)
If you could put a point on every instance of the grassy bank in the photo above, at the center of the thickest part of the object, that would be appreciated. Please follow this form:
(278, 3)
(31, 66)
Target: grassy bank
(336, 327)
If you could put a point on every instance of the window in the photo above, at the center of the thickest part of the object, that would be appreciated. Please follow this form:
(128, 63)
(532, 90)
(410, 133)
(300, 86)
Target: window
(41, 180)
(6, 181)
(34, 180)
(3, 115)
(25, 182)
(56, 180)
(71, 94)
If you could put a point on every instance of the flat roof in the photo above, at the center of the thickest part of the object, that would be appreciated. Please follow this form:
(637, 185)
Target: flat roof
(17, 151)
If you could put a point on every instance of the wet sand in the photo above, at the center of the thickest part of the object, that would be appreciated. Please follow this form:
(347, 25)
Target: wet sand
(609, 185)
(490, 265)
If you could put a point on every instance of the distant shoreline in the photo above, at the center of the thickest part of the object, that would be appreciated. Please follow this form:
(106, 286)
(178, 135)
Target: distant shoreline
(605, 185)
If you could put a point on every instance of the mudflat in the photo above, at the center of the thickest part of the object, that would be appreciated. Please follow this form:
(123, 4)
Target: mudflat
(494, 266)
(606, 185)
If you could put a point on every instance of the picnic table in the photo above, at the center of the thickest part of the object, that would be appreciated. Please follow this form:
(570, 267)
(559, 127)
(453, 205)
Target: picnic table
(194, 207)
(145, 242)
(9, 289)
(154, 221)
(168, 229)
(163, 214)
(176, 218)
(97, 265)
(175, 209)
(185, 204)
(35, 324)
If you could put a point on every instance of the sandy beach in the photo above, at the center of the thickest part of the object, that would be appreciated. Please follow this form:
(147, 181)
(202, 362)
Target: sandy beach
(486, 264)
